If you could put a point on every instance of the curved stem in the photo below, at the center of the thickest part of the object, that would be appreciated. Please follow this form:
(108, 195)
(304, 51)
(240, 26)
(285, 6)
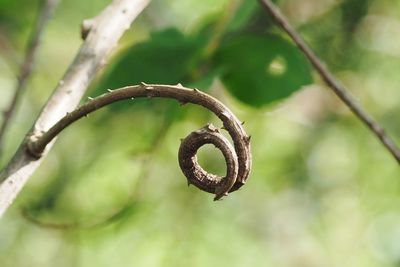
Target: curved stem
(238, 160)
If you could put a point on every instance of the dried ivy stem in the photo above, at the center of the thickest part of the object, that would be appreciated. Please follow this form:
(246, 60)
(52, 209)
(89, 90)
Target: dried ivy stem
(331, 81)
(46, 11)
(238, 159)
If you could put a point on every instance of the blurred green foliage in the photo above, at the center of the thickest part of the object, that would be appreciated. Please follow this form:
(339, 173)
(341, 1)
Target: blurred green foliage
(15, 15)
(323, 191)
(168, 58)
(262, 69)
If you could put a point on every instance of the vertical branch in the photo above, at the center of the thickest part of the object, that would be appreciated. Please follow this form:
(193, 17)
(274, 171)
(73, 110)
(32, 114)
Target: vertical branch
(101, 36)
(46, 10)
(331, 81)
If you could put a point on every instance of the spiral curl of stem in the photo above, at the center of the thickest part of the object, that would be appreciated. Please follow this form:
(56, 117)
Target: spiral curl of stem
(237, 157)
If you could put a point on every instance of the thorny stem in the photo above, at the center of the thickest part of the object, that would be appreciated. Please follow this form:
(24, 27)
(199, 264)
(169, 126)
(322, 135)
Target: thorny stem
(331, 81)
(47, 9)
(238, 159)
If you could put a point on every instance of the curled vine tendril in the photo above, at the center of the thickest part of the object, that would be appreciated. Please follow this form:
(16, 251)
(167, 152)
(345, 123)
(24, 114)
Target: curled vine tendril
(237, 157)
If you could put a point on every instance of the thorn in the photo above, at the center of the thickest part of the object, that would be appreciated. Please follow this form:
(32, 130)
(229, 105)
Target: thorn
(109, 90)
(86, 27)
(242, 123)
(226, 115)
(149, 91)
(218, 197)
(247, 139)
(196, 90)
(211, 127)
(199, 131)
(179, 85)
(90, 98)
(143, 84)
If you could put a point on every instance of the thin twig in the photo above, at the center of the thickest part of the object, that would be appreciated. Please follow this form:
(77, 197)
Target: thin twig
(46, 10)
(105, 31)
(331, 81)
(220, 27)
(237, 158)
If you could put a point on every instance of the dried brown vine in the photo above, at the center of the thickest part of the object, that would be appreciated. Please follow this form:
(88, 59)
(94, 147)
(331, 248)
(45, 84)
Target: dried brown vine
(237, 158)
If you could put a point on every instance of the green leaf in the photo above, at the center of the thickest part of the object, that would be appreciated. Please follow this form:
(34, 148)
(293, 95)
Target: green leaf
(258, 70)
(17, 15)
(243, 15)
(353, 12)
(167, 58)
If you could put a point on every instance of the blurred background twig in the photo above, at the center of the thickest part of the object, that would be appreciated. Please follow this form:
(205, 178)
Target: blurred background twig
(92, 55)
(46, 10)
(332, 82)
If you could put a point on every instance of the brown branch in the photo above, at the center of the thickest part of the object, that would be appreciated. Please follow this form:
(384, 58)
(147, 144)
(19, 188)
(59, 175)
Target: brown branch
(238, 159)
(46, 11)
(331, 81)
(104, 33)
